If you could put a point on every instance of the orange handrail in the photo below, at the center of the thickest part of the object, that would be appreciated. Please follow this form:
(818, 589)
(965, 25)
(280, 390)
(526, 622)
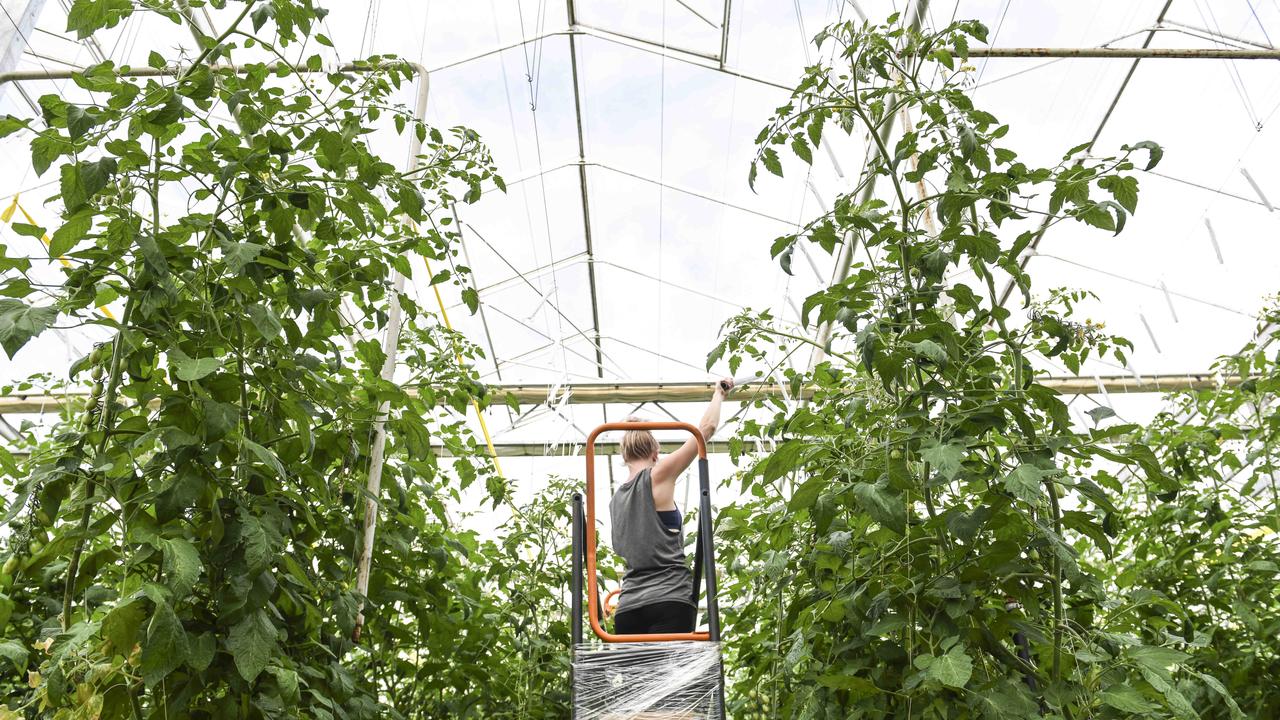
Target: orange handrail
(593, 611)
(610, 606)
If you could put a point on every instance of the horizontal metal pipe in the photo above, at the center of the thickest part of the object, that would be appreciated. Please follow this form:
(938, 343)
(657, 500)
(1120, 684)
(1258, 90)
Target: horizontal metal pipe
(1131, 53)
(31, 75)
(596, 393)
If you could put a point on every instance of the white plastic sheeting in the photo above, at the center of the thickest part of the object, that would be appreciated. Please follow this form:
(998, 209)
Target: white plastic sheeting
(631, 681)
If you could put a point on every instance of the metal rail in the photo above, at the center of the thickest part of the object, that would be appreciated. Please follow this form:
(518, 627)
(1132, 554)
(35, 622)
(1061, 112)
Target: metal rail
(1130, 53)
(596, 393)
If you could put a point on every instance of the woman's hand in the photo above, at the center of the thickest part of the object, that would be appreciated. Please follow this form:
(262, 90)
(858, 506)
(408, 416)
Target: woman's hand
(723, 387)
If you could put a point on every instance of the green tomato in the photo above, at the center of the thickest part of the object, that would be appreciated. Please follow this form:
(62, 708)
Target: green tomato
(10, 565)
(895, 454)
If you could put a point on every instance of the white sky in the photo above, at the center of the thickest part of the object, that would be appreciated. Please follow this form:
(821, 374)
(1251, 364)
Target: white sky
(672, 266)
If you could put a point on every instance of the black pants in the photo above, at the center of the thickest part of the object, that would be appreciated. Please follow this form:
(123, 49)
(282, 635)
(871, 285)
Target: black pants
(663, 617)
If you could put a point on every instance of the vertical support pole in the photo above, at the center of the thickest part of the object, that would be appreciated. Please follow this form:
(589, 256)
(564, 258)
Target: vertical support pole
(390, 346)
(708, 550)
(707, 541)
(575, 580)
(575, 598)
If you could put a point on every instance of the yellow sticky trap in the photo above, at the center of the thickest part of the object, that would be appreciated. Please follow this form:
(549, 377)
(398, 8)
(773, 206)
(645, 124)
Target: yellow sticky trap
(7, 216)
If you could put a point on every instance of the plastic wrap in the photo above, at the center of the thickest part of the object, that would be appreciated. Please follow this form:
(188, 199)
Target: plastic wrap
(625, 681)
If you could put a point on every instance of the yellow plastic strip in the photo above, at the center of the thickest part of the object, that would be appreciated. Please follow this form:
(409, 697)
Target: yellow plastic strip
(7, 216)
(484, 428)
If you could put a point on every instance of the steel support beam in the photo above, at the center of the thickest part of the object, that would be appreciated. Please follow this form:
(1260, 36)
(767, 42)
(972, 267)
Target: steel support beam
(724, 33)
(1131, 53)
(1217, 36)
(708, 62)
(597, 393)
(586, 199)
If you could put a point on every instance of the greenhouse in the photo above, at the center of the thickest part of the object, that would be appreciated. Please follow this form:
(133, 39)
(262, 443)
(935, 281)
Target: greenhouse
(685, 359)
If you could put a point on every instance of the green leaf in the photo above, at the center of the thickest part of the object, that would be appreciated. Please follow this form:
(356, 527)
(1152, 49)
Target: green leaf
(182, 565)
(1154, 152)
(471, 298)
(771, 161)
(1156, 658)
(203, 647)
(952, 669)
(1124, 189)
(20, 322)
(34, 231)
(1024, 483)
(946, 459)
(120, 625)
(859, 688)
(801, 149)
(1100, 413)
(88, 16)
(784, 259)
(814, 129)
(1126, 699)
(267, 457)
(1232, 706)
(807, 493)
(165, 649)
(10, 125)
(71, 232)
(252, 643)
(258, 546)
(79, 122)
(883, 505)
(239, 254)
(287, 683)
(82, 181)
(219, 419)
(1181, 707)
(193, 369)
(930, 350)
(262, 14)
(265, 321)
(14, 652)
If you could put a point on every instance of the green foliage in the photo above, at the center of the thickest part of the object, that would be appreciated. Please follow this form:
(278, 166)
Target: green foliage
(1205, 561)
(184, 545)
(940, 501)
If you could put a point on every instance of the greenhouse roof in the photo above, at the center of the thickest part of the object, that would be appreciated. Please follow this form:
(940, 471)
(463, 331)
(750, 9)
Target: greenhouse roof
(624, 131)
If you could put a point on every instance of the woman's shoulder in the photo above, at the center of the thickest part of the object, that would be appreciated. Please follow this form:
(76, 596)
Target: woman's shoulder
(639, 480)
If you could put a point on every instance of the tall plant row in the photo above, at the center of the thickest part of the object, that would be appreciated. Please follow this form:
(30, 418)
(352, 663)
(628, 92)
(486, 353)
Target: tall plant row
(936, 538)
(930, 536)
(184, 544)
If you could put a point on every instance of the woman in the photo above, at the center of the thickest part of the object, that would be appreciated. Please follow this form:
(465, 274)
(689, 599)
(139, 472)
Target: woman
(657, 588)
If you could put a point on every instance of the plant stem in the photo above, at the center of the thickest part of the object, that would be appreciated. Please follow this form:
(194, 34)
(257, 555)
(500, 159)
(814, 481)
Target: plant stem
(218, 41)
(1055, 672)
(108, 400)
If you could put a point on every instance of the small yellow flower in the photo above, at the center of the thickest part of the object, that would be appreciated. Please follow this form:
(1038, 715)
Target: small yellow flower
(34, 679)
(45, 644)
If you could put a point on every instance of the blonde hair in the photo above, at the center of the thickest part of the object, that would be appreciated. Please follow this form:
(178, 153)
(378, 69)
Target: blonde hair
(638, 444)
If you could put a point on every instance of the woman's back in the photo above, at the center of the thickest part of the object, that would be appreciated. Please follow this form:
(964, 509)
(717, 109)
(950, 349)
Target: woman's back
(656, 570)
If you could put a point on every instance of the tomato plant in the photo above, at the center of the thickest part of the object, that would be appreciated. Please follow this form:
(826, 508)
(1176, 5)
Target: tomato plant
(929, 525)
(184, 544)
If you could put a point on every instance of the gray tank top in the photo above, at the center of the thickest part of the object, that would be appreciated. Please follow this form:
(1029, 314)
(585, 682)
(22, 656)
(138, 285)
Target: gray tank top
(656, 570)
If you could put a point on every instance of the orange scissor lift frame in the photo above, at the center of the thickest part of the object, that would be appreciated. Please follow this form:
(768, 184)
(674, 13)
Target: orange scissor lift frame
(584, 550)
